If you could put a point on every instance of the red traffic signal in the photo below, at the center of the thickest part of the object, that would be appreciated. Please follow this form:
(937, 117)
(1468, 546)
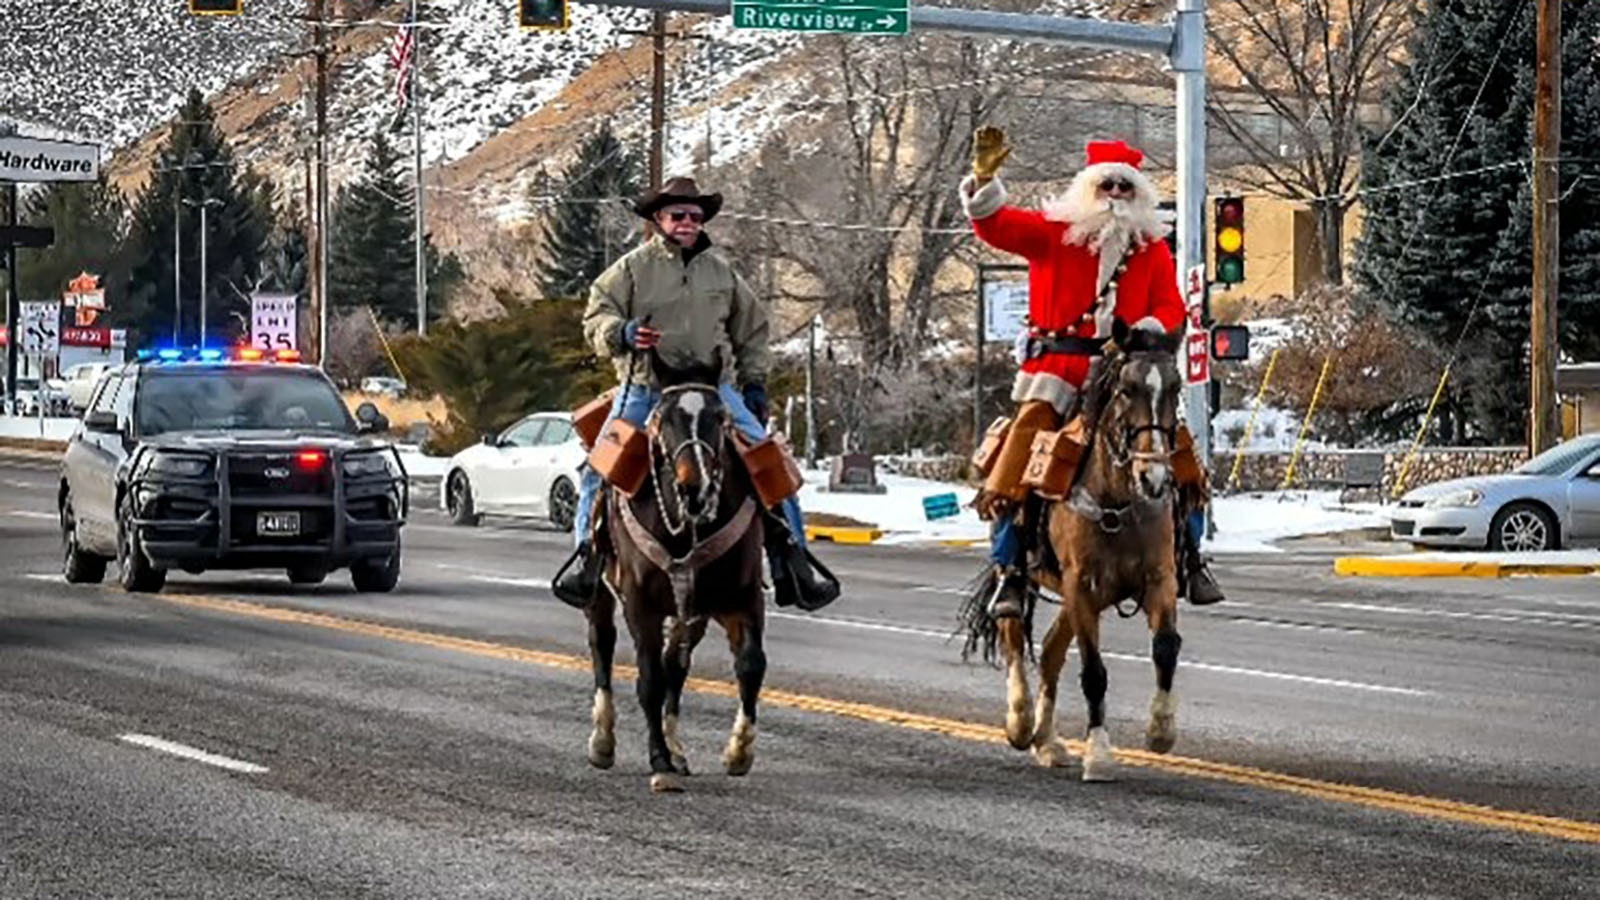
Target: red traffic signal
(1230, 342)
(216, 7)
(543, 15)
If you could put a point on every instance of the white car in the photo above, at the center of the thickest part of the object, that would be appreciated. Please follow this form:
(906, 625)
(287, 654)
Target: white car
(530, 470)
(383, 386)
(81, 381)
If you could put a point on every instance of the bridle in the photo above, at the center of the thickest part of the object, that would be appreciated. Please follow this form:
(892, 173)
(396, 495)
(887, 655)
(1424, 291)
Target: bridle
(703, 451)
(1120, 441)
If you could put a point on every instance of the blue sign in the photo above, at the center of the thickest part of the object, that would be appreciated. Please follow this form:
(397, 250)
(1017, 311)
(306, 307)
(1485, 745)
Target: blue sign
(941, 506)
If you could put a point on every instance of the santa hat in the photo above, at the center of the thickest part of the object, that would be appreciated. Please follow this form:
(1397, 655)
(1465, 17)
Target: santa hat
(1102, 152)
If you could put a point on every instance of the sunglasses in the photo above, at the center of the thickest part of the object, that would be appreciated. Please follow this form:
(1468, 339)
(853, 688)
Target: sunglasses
(679, 215)
(1117, 184)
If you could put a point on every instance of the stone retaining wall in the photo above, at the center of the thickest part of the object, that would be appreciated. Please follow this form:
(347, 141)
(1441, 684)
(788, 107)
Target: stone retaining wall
(1327, 468)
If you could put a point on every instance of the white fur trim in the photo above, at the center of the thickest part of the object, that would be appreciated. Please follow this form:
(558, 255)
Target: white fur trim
(1151, 323)
(982, 202)
(1044, 388)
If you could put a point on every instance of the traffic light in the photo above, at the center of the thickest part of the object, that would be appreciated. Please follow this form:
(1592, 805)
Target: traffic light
(1230, 240)
(543, 15)
(216, 7)
(1230, 343)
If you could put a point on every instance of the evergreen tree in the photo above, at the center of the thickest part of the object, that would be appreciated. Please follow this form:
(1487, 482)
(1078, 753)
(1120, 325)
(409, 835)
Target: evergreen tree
(196, 166)
(88, 219)
(1430, 249)
(373, 245)
(582, 236)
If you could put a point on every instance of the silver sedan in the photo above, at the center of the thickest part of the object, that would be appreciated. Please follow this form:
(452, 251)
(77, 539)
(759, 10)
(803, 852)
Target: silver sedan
(1551, 501)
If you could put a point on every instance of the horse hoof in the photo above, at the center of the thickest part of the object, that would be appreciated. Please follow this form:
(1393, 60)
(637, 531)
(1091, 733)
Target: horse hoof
(682, 765)
(738, 764)
(1053, 754)
(665, 783)
(1019, 729)
(602, 751)
(1099, 763)
(1161, 736)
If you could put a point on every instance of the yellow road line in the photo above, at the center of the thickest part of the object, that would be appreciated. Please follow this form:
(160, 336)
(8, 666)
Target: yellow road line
(1375, 798)
(842, 535)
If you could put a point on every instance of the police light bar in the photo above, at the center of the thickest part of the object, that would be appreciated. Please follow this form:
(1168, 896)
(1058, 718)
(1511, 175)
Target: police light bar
(250, 354)
(287, 356)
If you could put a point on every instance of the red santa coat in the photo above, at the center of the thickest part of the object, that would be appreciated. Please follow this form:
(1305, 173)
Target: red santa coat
(1064, 286)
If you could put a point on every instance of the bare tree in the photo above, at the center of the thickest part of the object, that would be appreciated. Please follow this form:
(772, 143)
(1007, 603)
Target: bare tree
(1311, 70)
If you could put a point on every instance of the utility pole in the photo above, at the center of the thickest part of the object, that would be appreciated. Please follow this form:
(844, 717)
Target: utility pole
(13, 304)
(206, 201)
(1544, 429)
(658, 94)
(177, 262)
(811, 393)
(416, 141)
(320, 213)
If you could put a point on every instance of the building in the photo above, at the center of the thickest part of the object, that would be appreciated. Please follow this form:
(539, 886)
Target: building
(1578, 386)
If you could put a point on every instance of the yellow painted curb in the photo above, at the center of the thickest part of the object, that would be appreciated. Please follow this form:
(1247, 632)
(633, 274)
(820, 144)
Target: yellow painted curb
(1402, 567)
(842, 535)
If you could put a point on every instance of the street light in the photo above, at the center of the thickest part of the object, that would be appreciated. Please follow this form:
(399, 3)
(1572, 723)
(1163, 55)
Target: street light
(203, 204)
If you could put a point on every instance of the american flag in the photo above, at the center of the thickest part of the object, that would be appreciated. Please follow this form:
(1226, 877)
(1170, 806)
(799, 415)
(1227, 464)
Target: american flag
(401, 54)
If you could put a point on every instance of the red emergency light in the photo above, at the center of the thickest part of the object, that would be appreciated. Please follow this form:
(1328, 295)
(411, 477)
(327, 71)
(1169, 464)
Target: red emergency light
(310, 460)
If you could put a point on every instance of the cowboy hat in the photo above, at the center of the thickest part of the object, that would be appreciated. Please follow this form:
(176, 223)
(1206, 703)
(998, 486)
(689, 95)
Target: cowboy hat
(678, 190)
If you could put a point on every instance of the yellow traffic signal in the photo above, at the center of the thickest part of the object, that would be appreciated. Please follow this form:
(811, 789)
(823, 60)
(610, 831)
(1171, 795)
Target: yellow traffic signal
(543, 15)
(1230, 240)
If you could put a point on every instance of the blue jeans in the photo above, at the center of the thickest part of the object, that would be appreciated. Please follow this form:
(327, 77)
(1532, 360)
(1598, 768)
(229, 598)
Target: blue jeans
(1005, 545)
(641, 400)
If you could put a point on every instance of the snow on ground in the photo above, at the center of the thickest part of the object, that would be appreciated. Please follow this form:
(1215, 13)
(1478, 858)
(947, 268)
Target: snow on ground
(1245, 524)
(1275, 430)
(1251, 523)
(419, 465)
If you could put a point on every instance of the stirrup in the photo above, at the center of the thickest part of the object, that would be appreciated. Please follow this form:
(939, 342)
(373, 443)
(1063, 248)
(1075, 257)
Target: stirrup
(1010, 594)
(577, 587)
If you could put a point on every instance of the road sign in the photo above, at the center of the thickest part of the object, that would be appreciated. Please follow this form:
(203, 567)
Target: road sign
(1198, 341)
(940, 506)
(273, 322)
(1005, 310)
(26, 236)
(33, 159)
(833, 16)
(41, 328)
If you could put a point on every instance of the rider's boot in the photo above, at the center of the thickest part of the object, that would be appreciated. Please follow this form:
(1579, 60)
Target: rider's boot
(1203, 589)
(798, 578)
(1010, 593)
(578, 581)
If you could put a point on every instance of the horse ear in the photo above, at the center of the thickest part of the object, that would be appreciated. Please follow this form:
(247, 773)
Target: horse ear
(660, 369)
(1119, 332)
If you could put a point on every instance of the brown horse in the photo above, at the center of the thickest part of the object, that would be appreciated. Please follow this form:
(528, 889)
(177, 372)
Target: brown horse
(687, 549)
(1113, 538)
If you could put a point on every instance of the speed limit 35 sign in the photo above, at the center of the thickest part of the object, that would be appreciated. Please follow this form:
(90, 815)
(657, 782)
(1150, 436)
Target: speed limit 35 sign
(273, 324)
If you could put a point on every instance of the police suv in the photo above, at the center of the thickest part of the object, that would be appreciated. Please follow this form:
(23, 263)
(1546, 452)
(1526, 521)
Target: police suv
(246, 460)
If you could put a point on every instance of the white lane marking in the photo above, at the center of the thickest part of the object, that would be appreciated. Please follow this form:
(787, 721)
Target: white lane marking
(29, 514)
(24, 485)
(471, 570)
(869, 625)
(43, 576)
(193, 753)
(1522, 617)
(927, 589)
(513, 582)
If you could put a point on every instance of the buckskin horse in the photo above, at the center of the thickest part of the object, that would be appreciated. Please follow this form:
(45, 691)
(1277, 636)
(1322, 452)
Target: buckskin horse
(688, 549)
(1112, 539)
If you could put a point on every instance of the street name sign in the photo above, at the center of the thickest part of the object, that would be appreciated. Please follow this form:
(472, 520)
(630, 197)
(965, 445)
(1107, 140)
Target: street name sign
(827, 16)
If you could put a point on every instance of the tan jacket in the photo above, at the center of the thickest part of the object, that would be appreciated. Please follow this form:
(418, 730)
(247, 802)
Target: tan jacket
(699, 308)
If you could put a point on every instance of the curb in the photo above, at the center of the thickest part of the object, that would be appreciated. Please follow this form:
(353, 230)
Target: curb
(1400, 567)
(840, 535)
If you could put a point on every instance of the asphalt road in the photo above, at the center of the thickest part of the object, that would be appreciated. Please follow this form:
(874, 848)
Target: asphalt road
(442, 754)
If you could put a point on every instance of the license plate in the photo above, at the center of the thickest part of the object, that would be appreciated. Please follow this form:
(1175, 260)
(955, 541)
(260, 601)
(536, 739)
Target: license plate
(277, 524)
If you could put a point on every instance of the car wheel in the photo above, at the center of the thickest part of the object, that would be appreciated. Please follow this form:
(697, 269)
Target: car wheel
(308, 575)
(376, 576)
(78, 565)
(1524, 528)
(135, 573)
(458, 501)
(563, 504)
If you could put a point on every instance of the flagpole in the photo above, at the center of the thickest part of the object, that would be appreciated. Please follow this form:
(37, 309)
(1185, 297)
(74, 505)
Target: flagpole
(416, 144)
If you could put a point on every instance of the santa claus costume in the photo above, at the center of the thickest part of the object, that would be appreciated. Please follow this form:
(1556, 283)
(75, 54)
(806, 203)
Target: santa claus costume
(1095, 255)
